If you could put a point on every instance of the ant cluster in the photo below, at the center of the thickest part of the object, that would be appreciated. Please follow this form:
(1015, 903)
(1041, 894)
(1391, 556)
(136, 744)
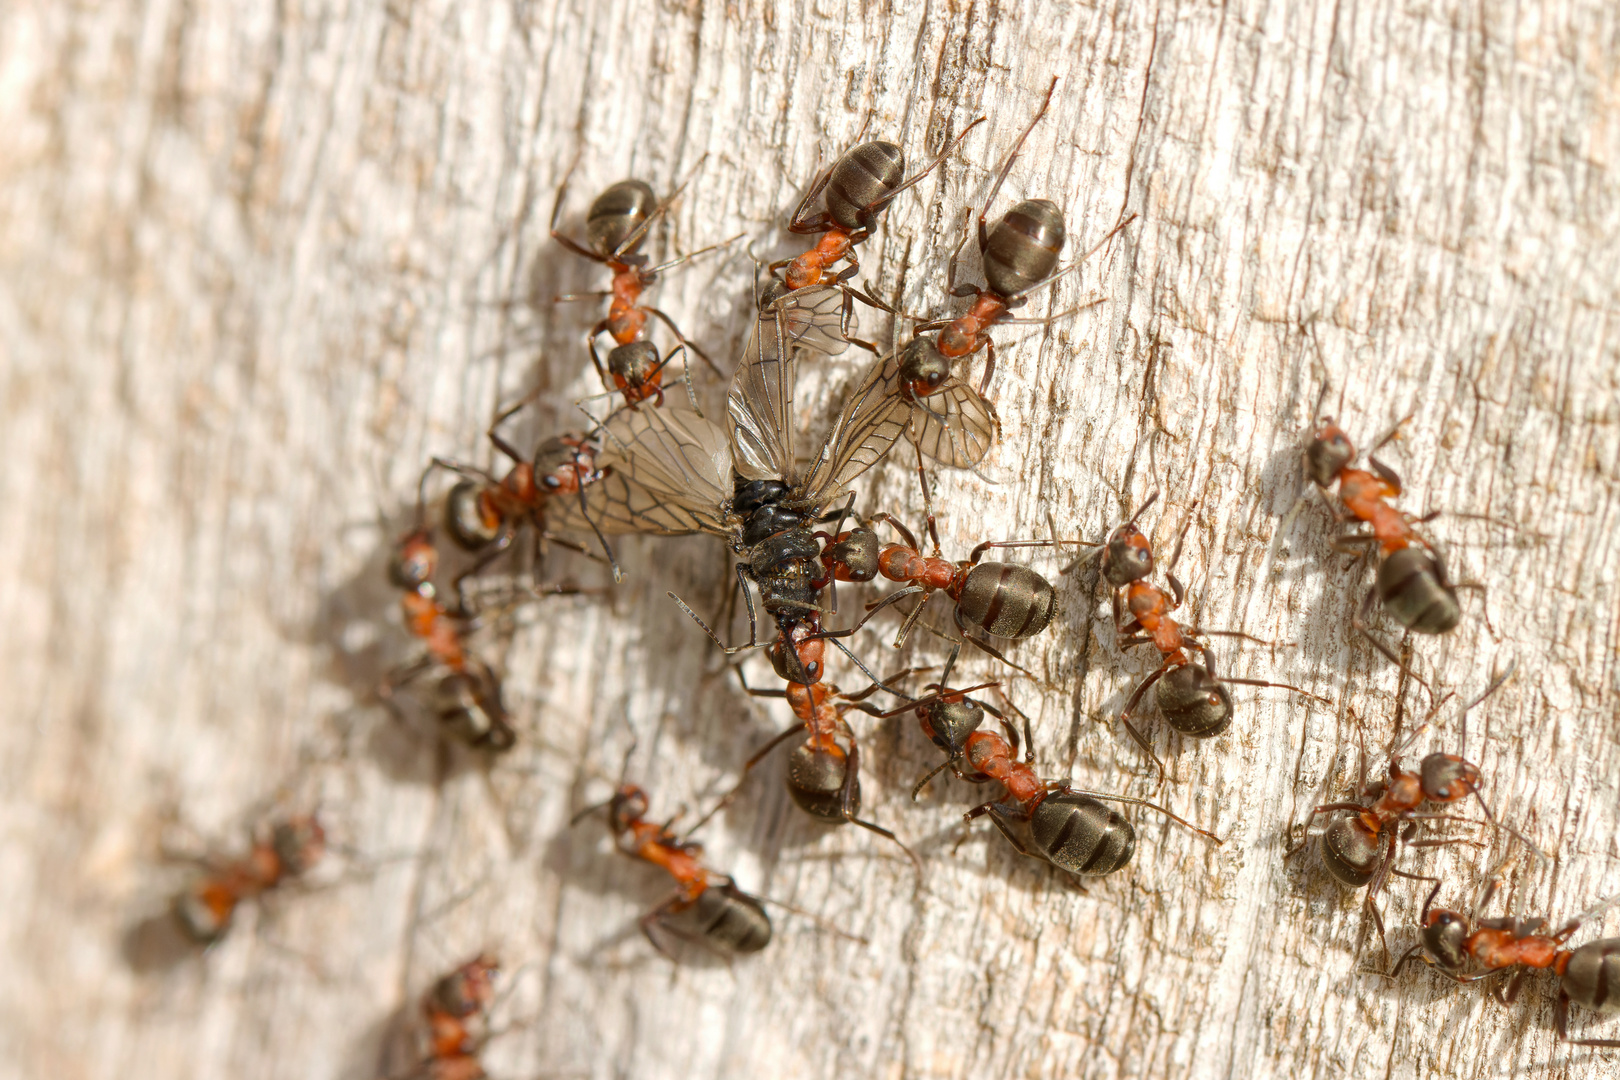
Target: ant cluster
(657, 465)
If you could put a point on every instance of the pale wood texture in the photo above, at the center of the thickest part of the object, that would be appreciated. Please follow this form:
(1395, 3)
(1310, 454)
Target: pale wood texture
(258, 261)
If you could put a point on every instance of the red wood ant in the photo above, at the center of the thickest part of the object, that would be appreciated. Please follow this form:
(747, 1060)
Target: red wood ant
(1412, 579)
(1071, 829)
(1192, 698)
(615, 227)
(293, 847)
(948, 717)
(454, 1010)
(483, 515)
(467, 696)
(859, 187)
(1360, 849)
(705, 906)
(1588, 975)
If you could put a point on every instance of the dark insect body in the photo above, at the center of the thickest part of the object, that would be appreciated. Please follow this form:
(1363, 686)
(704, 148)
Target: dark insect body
(204, 910)
(454, 1011)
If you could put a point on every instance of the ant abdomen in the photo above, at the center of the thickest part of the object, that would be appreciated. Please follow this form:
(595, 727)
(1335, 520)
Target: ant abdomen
(1350, 852)
(465, 518)
(1023, 247)
(1006, 600)
(1081, 835)
(1592, 977)
(1414, 589)
(815, 779)
(616, 214)
(471, 712)
(1194, 702)
(726, 918)
(862, 179)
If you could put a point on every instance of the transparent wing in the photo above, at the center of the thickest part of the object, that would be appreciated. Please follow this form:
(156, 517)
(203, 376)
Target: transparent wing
(867, 426)
(668, 472)
(761, 400)
(954, 425)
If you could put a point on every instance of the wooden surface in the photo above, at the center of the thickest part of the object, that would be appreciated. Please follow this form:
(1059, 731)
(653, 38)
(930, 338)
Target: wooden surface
(258, 261)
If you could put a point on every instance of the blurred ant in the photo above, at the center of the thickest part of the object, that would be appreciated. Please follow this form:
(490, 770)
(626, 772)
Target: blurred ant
(1588, 975)
(205, 908)
(484, 515)
(467, 696)
(1192, 698)
(1018, 255)
(1412, 580)
(860, 186)
(1360, 849)
(1071, 829)
(615, 227)
(705, 906)
(455, 1010)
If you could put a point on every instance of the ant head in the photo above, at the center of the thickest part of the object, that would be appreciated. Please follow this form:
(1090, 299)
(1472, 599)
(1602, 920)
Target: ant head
(855, 554)
(629, 805)
(815, 779)
(923, 368)
(1194, 702)
(1443, 935)
(414, 561)
(634, 364)
(805, 665)
(1329, 451)
(467, 519)
(1350, 851)
(299, 843)
(469, 989)
(1127, 557)
(1447, 777)
(949, 723)
(614, 227)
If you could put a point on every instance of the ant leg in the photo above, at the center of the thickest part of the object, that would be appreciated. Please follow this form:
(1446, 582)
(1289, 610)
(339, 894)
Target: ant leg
(852, 769)
(1359, 622)
(753, 623)
(1209, 666)
(950, 268)
(986, 647)
(759, 755)
(1007, 164)
(596, 360)
(657, 917)
(801, 222)
(683, 343)
(1561, 1021)
(498, 547)
(1064, 786)
(989, 366)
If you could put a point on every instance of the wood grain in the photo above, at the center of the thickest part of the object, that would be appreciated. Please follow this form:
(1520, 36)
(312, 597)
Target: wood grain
(258, 261)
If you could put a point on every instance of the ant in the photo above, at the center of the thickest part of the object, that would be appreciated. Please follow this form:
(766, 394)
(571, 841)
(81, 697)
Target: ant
(454, 1009)
(1411, 581)
(1192, 698)
(860, 186)
(468, 701)
(483, 515)
(293, 847)
(1071, 829)
(1360, 849)
(615, 227)
(1018, 255)
(1589, 975)
(705, 906)
(948, 717)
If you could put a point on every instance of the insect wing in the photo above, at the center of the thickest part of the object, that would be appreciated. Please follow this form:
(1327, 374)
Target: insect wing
(667, 472)
(867, 426)
(954, 425)
(761, 400)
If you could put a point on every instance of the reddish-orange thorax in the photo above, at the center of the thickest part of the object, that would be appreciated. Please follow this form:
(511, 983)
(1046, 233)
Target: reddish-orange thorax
(966, 333)
(1363, 494)
(1150, 607)
(652, 843)
(429, 620)
(1502, 948)
(900, 563)
(806, 269)
(990, 754)
(626, 316)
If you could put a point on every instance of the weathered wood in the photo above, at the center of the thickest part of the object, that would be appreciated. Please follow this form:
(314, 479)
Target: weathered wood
(259, 261)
